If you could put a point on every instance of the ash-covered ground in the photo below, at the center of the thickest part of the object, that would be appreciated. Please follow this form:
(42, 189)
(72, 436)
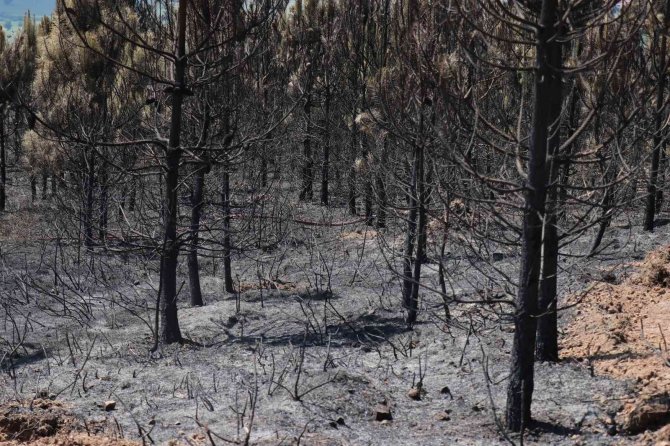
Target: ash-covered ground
(312, 350)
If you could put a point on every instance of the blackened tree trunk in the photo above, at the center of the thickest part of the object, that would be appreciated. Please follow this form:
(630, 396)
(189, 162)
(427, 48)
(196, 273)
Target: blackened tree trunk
(659, 141)
(33, 187)
(566, 165)
(661, 172)
(369, 195)
(17, 137)
(3, 161)
(89, 195)
(547, 329)
(133, 194)
(325, 166)
(410, 239)
(381, 187)
(104, 202)
(170, 331)
(521, 382)
(351, 180)
(225, 200)
(45, 184)
(307, 189)
(419, 193)
(196, 212)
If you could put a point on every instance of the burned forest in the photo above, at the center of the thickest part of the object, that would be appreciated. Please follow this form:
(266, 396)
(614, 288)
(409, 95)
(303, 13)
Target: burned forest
(335, 222)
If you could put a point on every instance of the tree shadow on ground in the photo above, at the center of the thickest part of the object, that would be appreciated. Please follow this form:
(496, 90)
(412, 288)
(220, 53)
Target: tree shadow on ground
(539, 428)
(366, 330)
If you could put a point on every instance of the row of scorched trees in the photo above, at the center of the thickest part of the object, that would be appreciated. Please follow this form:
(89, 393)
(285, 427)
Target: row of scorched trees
(529, 123)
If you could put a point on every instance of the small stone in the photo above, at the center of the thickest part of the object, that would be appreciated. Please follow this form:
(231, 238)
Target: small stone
(477, 408)
(340, 421)
(383, 413)
(414, 393)
(442, 416)
(109, 405)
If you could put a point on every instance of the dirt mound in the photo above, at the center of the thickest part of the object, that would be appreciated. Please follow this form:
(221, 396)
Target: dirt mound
(28, 421)
(654, 271)
(46, 422)
(620, 330)
(77, 439)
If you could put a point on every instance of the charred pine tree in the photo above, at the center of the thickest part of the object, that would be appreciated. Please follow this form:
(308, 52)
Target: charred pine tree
(522, 369)
(170, 331)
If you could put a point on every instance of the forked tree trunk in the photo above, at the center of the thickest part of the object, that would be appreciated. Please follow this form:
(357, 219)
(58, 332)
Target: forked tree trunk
(522, 369)
(170, 331)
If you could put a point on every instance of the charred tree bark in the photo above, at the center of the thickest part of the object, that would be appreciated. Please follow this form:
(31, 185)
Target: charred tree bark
(104, 203)
(33, 187)
(89, 195)
(381, 188)
(419, 225)
(325, 166)
(547, 329)
(659, 141)
(225, 199)
(410, 237)
(521, 383)
(196, 212)
(45, 185)
(351, 180)
(3, 161)
(170, 331)
(133, 194)
(307, 190)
